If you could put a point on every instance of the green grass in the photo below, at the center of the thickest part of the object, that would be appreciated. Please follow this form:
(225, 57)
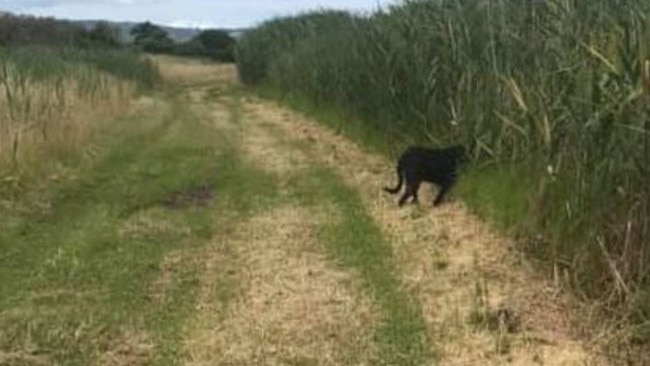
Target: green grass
(80, 256)
(498, 193)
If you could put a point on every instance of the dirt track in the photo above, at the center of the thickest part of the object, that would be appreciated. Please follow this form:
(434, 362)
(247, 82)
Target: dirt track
(480, 302)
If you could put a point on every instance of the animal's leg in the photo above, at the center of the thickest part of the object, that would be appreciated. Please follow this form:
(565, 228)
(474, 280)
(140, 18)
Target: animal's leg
(415, 187)
(444, 188)
(412, 183)
(408, 192)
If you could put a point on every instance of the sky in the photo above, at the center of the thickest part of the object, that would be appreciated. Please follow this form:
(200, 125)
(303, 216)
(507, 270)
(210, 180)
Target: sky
(185, 13)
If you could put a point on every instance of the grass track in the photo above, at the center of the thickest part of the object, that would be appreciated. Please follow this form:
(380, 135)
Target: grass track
(101, 267)
(127, 259)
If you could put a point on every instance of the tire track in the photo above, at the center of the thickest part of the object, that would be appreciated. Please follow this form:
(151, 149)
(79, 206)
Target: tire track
(288, 304)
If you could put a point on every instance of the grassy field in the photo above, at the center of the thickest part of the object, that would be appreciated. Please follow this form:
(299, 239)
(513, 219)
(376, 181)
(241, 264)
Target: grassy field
(80, 249)
(209, 227)
(102, 263)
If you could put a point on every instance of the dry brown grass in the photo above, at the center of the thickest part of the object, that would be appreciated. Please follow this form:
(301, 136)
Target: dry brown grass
(47, 121)
(167, 267)
(22, 359)
(290, 305)
(265, 151)
(293, 306)
(464, 273)
(149, 223)
(218, 109)
(129, 348)
(186, 71)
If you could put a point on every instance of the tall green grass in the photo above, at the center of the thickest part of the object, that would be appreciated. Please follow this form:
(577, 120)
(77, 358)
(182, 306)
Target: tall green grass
(557, 90)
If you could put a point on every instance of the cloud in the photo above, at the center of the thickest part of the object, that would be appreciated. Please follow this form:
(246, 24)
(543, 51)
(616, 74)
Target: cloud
(135, 2)
(37, 3)
(185, 23)
(26, 4)
(202, 13)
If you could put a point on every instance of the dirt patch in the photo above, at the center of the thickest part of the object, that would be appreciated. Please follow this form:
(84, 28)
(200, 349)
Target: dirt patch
(462, 271)
(293, 307)
(196, 196)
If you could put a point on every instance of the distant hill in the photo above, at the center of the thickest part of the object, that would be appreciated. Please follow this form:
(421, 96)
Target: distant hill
(178, 34)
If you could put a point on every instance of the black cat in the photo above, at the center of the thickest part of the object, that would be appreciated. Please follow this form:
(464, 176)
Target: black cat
(418, 164)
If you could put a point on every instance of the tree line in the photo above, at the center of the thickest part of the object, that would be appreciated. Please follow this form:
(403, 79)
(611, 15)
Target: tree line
(27, 30)
(213, 43)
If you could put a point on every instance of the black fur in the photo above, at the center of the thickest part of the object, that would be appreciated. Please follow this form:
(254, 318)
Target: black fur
(421, 164)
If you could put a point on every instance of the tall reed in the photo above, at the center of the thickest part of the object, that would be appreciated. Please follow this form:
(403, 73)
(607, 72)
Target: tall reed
(559, 90)
(52, 98)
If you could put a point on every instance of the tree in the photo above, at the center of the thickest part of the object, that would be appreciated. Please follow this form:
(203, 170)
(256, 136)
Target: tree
(103, 34)
(152, 38)
(217, 44)
(28, 30)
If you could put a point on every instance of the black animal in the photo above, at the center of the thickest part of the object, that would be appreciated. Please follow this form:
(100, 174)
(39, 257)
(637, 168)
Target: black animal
(418, 164)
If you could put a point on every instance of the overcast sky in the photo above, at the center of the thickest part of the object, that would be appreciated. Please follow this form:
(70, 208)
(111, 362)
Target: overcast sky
(193, 13)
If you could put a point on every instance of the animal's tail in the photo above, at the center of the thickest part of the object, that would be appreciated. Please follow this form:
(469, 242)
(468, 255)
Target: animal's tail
(400, 180)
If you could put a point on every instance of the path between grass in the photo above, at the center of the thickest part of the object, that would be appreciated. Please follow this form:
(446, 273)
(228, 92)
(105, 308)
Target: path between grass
(475, 300)
(214, 228)
(308, 267)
